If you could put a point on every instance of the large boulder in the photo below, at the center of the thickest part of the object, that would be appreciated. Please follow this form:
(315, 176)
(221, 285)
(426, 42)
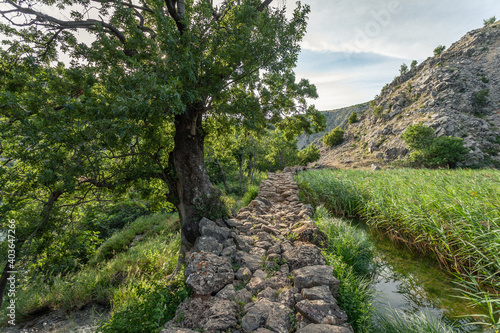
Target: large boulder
(303, 254)
(207, 273)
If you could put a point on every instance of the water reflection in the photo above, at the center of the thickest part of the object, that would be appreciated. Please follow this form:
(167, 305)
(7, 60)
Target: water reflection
(407, 282)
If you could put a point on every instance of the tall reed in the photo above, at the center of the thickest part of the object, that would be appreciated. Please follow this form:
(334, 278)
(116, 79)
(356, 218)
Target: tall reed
(453, 215)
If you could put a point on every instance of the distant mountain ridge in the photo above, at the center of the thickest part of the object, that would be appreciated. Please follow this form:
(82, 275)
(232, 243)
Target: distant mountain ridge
(456, 92)
(334, 118)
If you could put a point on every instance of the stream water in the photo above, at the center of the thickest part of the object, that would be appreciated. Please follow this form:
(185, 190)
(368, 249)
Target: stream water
(406, 282)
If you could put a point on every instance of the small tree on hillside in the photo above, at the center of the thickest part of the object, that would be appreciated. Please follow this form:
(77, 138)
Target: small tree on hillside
(309, 155)
(353, 118)
(334, 138)
(403, 69)
(413, 65)
(489, 21)
(438, 50)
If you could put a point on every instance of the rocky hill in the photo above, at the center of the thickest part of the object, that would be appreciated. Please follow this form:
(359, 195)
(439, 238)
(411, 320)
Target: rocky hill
(334, 118)
(457, 93)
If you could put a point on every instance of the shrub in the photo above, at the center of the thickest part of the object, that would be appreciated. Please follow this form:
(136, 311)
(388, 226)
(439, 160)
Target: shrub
(413, 65)
(438, 50)
(108, 219)
(250, 194)
(418, 136)
(480, 97)
(353, 118)
(403, 69)
(309, 155)
(445, 151)
(489, 21)
(334, 138)
(377, 111)
(150, 310)
(430, 151)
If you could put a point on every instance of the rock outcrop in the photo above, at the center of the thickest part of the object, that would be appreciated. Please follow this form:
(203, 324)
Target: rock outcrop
(264, 272)
(457, 93)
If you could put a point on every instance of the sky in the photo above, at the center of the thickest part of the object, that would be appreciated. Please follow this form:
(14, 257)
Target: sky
(354, 47)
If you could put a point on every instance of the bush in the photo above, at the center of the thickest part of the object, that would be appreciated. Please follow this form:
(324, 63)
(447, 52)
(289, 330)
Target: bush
(438, 50)
(403, 69)
(413, 65)
(309, 155)
(353, 118)
(480, 98)
(334, 138)
(430, 151)
(377, 111)
(250, 194)
(418, 136)
(489, 21)
(150, 310)
(445, 151)
(108, 219)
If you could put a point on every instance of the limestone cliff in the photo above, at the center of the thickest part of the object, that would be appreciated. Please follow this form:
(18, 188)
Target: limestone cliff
(457, 93)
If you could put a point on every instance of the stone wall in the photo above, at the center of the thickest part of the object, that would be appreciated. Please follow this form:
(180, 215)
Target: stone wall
(261, 271)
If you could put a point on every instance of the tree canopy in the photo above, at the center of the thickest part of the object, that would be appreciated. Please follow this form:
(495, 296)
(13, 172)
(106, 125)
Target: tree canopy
(135, 102)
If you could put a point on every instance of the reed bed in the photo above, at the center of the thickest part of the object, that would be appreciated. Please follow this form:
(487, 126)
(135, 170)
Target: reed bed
(453, 215)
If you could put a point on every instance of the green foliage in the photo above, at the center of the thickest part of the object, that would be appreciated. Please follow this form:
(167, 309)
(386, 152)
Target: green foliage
(144, 226)
(403, 69)
(152, 306)
(350, 254)
(109, 218)
(451, 215)
(334, 137)
(445, 151)
(489, 21)
(418, 136)
(111, 282)
(438, 50)
(309, 154)
(353, 118)
(397, 322)
(472, 290)
(64, 254)
(430, 151)
(413, 65)
(480, 98)
(377, 111)
(249, 195)
(346, 241)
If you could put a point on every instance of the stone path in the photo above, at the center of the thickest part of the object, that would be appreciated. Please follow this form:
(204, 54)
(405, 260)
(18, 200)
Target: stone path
(262, 271)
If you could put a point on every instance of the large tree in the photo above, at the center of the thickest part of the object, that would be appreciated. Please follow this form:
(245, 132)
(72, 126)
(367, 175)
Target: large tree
(139, 89)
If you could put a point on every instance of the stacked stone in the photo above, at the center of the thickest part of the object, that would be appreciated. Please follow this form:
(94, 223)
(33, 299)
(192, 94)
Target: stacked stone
(261, 271)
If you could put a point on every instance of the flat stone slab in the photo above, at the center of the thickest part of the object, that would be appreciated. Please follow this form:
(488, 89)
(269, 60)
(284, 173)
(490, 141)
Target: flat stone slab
(321, 312)
(207, 273)
(314, 276)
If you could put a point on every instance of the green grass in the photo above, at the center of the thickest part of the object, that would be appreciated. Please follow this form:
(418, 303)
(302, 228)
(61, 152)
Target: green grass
(398, 322)
(350, 254)
(123, 280)
(453, 215)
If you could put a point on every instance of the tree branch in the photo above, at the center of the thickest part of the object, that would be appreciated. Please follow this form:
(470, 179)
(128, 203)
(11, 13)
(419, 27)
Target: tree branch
(60, 24)
(264, 4)
(175, 15)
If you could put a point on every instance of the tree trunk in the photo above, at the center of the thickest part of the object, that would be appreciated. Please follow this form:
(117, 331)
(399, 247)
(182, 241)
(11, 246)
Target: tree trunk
(196, 197)
(223, 175)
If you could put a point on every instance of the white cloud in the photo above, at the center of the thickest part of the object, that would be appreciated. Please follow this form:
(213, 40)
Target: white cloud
(401, 30)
